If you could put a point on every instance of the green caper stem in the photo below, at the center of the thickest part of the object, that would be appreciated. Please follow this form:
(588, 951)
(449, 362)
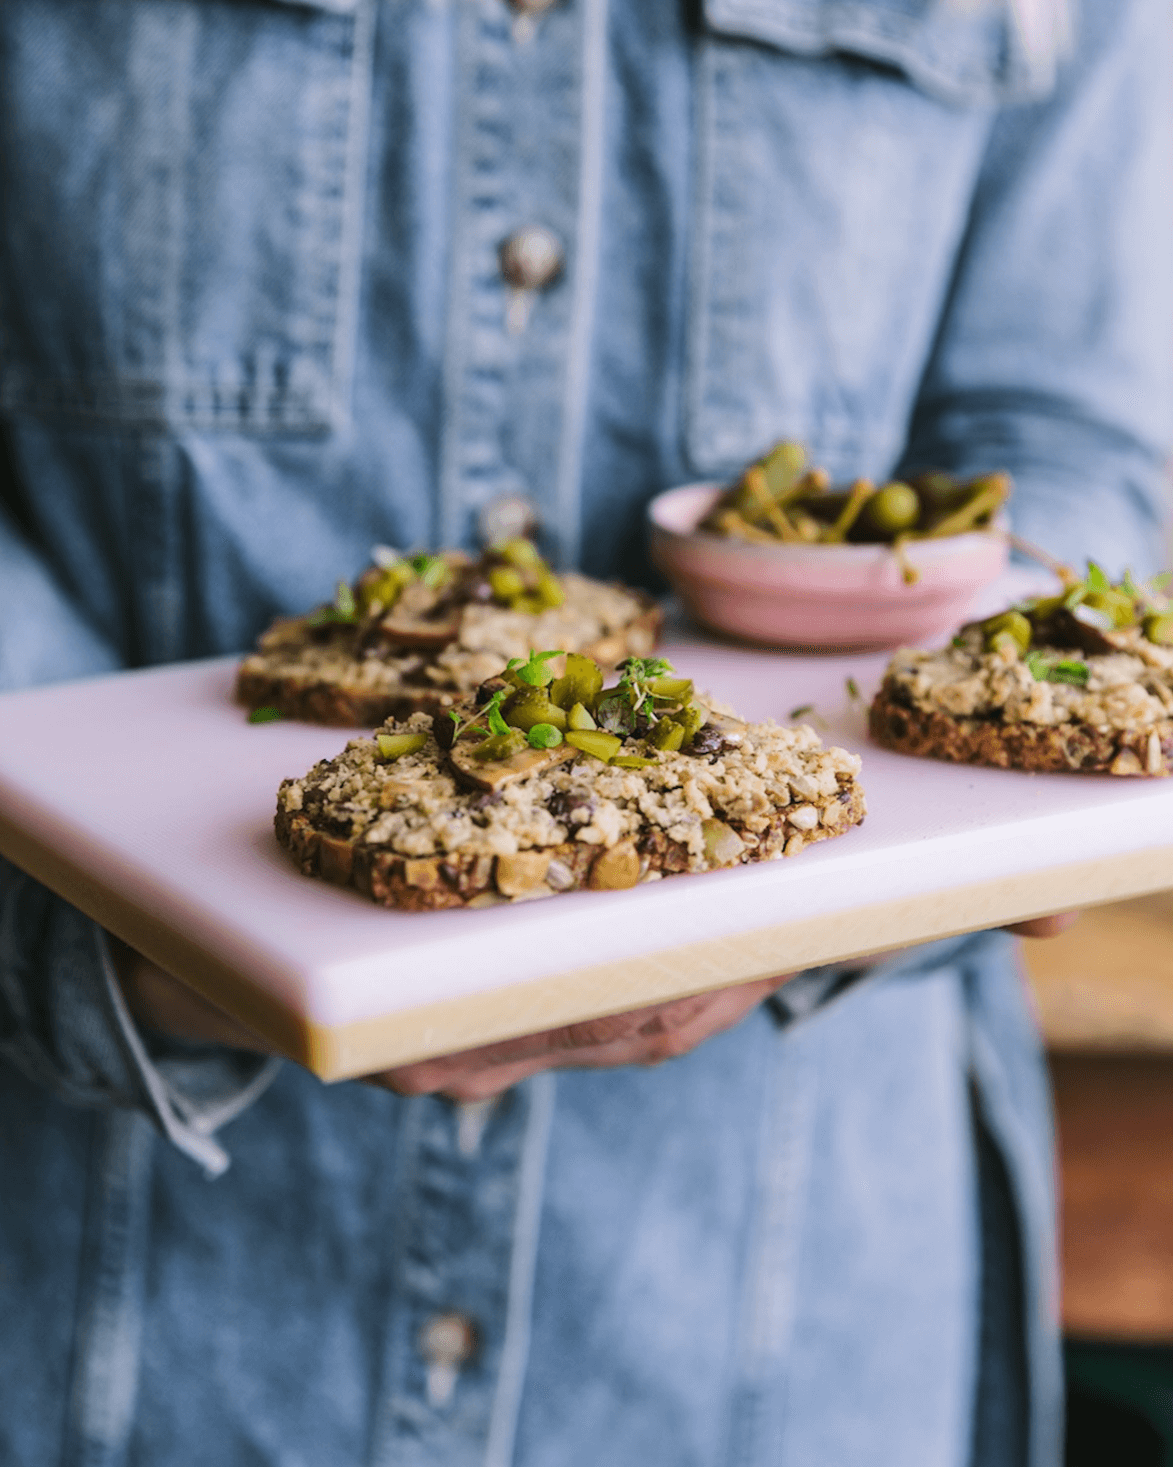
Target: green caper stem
(766, 506)
(861, 491)
(991, 493)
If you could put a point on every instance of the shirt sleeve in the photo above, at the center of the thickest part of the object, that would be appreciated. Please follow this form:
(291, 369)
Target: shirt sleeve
(63, 1021)
(1053, 357)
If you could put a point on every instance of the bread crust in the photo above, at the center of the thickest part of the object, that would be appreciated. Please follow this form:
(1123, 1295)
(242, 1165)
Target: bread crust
(1044, 748)
(458, 879)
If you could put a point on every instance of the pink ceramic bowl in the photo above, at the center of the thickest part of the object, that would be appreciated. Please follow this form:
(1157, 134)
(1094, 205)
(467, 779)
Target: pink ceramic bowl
(817, 596)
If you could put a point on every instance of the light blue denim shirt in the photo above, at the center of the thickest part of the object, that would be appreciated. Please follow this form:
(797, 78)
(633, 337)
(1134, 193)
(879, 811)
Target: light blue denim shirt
(252, 320)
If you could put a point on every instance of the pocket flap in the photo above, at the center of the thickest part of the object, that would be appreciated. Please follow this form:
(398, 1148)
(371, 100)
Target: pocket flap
(966, 52)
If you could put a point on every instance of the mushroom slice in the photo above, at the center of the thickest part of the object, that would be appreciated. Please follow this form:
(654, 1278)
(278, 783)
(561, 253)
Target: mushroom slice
(485, 774)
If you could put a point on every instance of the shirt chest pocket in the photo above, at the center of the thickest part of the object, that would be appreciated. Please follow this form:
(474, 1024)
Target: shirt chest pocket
(838, 147)
(183, 188)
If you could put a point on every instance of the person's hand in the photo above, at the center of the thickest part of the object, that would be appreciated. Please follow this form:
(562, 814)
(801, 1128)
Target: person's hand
(641, 1037)
(646, 1036)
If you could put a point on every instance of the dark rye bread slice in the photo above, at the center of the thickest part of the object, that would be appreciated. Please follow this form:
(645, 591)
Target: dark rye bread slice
(568, 822)
(897, 723)
(318, 675)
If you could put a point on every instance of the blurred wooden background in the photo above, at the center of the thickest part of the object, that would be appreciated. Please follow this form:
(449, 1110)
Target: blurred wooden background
(1104, 992)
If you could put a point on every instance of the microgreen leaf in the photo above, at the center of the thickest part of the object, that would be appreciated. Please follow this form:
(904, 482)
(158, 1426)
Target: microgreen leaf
(492, 711)
(853, 690)
(801, 711)
(534, 672)
(431, 569)
(1096, 579)
(544, 736)
(344, 600)
(265, 715)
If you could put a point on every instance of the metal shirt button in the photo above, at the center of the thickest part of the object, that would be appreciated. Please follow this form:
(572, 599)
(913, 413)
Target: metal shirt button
(446, 1342)
(531, 259)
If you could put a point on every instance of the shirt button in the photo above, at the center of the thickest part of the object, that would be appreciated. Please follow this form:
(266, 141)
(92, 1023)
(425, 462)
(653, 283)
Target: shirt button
(446, 1342)
(531, 258)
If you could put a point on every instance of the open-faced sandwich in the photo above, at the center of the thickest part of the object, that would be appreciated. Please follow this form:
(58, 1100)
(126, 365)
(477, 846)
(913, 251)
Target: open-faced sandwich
(1078, 681)
(543, 783)
(418, 634)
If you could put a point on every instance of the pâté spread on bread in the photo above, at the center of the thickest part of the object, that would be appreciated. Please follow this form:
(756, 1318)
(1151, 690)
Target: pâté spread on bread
(546, 782)
(1078, 681)
(420, 633)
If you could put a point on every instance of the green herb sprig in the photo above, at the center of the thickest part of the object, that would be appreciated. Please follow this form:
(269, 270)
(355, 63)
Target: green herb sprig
(1046, 669)
(534, 671)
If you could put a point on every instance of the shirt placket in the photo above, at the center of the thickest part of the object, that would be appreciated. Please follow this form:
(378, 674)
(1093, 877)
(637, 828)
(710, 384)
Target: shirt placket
(466, 1234)
(524, 232)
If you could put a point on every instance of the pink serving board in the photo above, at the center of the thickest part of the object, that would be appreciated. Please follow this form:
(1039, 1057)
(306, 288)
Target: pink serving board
(147, 799)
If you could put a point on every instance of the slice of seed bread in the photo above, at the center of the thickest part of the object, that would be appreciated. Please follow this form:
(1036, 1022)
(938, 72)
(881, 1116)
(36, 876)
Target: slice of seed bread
(413, 834)
(971, 706)
(345, 676)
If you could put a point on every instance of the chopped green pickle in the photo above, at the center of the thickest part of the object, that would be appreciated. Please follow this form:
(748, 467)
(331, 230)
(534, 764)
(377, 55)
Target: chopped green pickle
(524, 710)
(544, 736)
(668, 735)
(631, 761)
(549, 590)
(1158, 628)
(1011, 628)
(506, 583)
(394, 746)
(671, 689)
(602, 746)
(582, 682)
(519, 552)
(579, 719)
(501, 746)
(265, 715)
(691, 720)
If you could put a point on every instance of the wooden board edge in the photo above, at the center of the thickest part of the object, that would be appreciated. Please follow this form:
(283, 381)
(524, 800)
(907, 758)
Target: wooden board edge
(449, 1026)
(363, 1047)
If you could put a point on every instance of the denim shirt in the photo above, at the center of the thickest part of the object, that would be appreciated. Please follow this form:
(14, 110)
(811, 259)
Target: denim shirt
(252, 320)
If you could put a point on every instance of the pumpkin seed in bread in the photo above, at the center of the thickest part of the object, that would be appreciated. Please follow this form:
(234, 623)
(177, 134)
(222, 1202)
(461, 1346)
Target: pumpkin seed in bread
(545, 784)
(1081, 681)
(419, 634)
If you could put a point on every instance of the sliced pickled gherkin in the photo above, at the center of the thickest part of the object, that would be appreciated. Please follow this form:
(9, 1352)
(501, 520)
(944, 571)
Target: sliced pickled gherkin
(671, 689)
(668, 735)
(631, 761)
(579, 719)
(602, 746)
(580, 683)
(525, 709)
(1158, 628)
(691, 720)
(519, 552)
(549, 590)
(506, 583)
(500, 746)
(1011, 629)
(395, 746)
